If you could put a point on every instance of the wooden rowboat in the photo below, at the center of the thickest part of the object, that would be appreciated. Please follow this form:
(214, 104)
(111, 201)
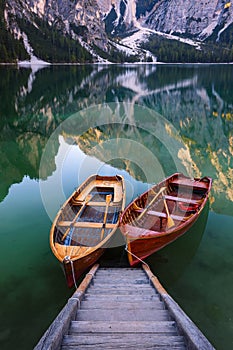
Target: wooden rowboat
(162, 214)
(86, 223)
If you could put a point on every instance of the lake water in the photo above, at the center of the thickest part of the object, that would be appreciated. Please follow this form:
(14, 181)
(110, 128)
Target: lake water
(60, 124)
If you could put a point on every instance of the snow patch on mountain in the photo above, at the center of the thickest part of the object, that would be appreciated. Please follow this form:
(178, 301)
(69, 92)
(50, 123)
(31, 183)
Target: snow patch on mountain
(35, 61)
(142, 35)
(92, 22)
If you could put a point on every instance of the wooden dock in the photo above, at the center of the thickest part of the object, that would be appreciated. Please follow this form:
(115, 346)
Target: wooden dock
(122, 308)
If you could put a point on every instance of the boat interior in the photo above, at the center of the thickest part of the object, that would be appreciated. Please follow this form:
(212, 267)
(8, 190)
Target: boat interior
(183, 199)
(90, 215)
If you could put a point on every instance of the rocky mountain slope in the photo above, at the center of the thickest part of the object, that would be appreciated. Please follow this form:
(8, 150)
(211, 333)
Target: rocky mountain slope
(100, 30)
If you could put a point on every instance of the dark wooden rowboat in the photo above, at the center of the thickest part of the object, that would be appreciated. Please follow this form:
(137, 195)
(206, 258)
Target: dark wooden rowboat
(86, 223)
(162, 214)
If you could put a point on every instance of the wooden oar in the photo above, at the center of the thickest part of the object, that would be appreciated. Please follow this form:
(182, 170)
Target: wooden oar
(87, 199)
(162, 189)
(108, 200)
(170, 221)
(136, 207)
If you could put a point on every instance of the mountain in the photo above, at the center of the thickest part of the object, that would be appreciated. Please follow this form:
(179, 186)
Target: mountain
(191, 18)
(116, 31)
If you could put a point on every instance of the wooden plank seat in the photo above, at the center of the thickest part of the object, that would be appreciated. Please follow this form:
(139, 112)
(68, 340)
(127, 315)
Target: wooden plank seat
(85, 224)
(163, 215)
(190, 183)
(97, 204)
(183, 200)
(103, 204)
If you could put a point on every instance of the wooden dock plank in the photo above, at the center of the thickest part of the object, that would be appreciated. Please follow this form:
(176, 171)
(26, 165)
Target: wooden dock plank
(121, 283)
(137, 340)
(122, 297)
(156, 327)
(109, 304)
(120, 292)
(118, 308)
(120, 288)
(124, 347)
(122, 279)
(120, 315)
(122, 271)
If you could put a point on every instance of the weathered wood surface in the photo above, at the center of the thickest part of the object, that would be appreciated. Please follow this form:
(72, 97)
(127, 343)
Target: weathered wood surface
(195, 339)
(124, 341)
(52, 338)
(121, 308)
(164, 327)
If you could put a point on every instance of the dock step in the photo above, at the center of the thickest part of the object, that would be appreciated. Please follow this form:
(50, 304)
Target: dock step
(121, 297)
(121, 315)
(123, 341)
(117, 308)
(155, 327)
(120, 305)
(121, 309)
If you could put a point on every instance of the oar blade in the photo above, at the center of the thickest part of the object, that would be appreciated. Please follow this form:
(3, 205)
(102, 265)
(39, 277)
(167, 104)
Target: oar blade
(108, 198)
(170, 222)
(136, 207)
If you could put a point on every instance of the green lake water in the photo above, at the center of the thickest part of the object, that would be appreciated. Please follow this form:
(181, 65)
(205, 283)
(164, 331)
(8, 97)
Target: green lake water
(60, 124)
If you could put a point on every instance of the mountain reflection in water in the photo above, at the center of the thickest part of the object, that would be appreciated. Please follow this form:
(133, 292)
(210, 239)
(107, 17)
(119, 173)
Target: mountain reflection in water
(195, 103)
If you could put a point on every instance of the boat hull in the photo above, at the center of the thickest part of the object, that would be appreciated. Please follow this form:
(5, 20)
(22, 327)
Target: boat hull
(145, 247)
(162, 214)
(74, 269)
(85, 225)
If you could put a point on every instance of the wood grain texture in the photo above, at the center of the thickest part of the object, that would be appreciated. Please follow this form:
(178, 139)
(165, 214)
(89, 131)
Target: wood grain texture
(99, 317)
(152, 221)
(86, 224)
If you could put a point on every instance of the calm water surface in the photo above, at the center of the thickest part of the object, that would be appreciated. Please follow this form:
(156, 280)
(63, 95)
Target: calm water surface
(60, 124)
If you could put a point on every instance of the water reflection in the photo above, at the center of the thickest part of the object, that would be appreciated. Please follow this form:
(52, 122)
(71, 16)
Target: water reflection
(197, 101)
(172, 261)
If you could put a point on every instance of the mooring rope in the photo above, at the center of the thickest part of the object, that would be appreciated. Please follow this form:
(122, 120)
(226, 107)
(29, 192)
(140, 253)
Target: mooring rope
(142, 261)
(73, 274)
(135, 256)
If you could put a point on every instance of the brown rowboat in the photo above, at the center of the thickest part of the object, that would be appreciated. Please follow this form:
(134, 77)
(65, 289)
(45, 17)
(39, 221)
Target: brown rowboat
(86, 223)
(162, 214)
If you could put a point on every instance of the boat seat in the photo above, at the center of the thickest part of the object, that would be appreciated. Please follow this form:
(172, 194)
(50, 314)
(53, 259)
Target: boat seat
(163, 215)
(190, 183)
(97, 204)
(85, 224)
(183, 200)
(103, 204)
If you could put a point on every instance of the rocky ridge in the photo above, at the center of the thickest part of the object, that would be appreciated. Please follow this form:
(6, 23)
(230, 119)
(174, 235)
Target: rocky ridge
(101, 26)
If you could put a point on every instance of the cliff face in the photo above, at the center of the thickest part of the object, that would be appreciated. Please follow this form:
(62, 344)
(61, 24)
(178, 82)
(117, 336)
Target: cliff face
(193, 18)
(63, 14)
(95, 23)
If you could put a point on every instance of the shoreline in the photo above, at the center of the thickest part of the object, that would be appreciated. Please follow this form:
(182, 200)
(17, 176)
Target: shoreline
(47, 64)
